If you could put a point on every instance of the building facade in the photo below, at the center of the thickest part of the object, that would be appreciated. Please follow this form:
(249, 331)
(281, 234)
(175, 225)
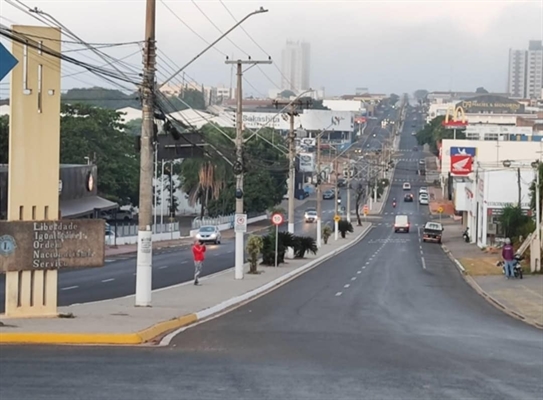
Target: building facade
(525, 72)
(296, 60)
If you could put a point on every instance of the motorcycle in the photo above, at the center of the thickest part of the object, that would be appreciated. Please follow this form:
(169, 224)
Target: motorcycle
(465, 235)
(394, 204)
(517, 268)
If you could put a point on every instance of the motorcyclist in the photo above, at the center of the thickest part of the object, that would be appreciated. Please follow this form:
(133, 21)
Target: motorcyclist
(394, 202)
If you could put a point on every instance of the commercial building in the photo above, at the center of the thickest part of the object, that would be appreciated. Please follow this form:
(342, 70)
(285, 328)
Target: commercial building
(483, 195)
(77, 190)
(454, 97)
(296, 61)
(525, 72)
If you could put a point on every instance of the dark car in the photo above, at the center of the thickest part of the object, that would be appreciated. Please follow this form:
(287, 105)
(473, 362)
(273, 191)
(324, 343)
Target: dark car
(329, 194)
(408, 198)
(341, 183)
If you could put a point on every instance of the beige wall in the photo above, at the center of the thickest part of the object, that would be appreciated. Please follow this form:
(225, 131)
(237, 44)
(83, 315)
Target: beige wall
(34, 149)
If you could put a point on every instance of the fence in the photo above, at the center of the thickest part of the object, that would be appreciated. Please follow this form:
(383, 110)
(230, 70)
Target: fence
(221, 220)
(131, 229)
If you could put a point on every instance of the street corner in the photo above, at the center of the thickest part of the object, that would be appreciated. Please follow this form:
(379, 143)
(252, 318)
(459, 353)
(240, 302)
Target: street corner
(440, 207)
(481, 266)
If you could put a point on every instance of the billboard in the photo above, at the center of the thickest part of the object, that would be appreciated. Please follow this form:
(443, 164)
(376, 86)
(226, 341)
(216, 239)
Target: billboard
(308, 142)
(307, 162)
(458, 151)
(461, 164)
(309, 120)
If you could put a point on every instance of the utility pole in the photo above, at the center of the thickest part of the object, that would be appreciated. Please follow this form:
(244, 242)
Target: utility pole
(292, 112)
(145, 233)
(336, 198)
(239, 168)
(319, 193)
(349, 187)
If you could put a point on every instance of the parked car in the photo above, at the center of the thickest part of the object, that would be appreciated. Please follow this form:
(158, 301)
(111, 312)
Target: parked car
(423, 199)
(119, 215)
(209, 233)
(432, 232)
(423, 190)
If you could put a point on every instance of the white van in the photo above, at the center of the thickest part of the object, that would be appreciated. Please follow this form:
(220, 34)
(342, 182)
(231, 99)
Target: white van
(401, 224)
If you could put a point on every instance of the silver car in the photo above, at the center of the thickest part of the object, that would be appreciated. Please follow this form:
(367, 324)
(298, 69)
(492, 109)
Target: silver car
(209, 233)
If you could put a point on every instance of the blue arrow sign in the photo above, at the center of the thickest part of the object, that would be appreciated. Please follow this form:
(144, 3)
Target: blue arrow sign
(7, 61)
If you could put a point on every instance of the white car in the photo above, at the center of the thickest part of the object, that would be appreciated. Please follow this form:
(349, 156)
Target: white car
(423, 199)
(310, 215)
(406, 186)
(413, 133)
(401, 223)
(423, 190)
(209, 233)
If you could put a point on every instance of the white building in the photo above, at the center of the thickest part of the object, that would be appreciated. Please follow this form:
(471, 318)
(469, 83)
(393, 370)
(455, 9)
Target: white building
(516, 80)
(525, 72)
(356, 106)
(130, 114)
(296, 66)
(482, 196)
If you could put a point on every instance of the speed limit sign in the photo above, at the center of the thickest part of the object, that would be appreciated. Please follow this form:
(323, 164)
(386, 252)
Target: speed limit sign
(277, 219)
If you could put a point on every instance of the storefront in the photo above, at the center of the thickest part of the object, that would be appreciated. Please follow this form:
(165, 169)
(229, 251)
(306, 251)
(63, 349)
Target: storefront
(77, 187)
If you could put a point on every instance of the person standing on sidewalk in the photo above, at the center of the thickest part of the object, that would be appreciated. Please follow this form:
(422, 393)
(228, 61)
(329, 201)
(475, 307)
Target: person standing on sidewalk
(508, 255)
(198, 253)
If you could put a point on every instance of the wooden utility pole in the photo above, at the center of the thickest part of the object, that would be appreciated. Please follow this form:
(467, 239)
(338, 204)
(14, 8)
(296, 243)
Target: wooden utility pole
(145, 232)
(239, 168)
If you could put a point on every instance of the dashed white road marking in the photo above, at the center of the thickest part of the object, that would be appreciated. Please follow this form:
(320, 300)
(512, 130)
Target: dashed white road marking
(364, 267)
(184, 262)
(339, 293)
(423, 263)
(346, 286)
(163, 267)
(353, 278)
(108, 280)
(358, 272)
(69, 288)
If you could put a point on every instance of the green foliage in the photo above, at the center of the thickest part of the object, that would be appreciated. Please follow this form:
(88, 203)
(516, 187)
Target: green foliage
(434, 132)
(421, 94)
(481, 90)
(191, 98)
(533, 186)
(287, 94)
(211, 180)
(87, 131)
(515, 223)
(345, 226)
(305, 244)
(100, 97)
(393, 98)
(4, 139)
(326, 233)
(254, 247)
(133, 127)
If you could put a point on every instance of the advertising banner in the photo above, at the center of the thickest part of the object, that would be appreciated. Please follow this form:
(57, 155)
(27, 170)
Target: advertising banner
(307, 162)
(461, 164)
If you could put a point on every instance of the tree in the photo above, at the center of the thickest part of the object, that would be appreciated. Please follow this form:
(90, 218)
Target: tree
(420, 94)
(4, 139)
(287, 94)
(99, 134)
(434, 132)
(189, 98)
(317, 105)
(515, 223)
(533, 187)
(393, 98)
(101, 97)
(133, 127)
(360, 193)
(481, 90)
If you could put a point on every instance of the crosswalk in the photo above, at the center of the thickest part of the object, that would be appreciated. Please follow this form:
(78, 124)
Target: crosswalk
(407, 160)
(419, 179)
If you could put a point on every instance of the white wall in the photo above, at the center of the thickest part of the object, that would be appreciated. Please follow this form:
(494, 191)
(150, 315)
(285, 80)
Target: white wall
(344, 105)
(488, 152)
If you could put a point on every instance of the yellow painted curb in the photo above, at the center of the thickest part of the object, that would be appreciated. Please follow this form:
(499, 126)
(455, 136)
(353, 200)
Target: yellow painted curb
(140, 337)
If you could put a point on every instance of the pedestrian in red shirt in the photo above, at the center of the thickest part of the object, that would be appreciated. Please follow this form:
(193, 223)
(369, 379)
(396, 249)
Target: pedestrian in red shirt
(198, 253)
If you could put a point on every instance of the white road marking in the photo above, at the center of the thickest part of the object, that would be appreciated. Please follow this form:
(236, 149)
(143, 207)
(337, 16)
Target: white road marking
(339, 293)
(346, 286)
(364, 267)
(108, 280)
(69, 288)
(353, 278)
(423, 263)
(163, 267)
(184, 262)
(358, 272)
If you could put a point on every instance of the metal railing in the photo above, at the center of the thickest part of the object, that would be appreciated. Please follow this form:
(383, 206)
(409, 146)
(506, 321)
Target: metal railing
(131, 229)
(220, 220)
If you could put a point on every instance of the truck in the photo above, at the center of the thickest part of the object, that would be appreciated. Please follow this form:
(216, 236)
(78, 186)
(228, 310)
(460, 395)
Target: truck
(432, 232)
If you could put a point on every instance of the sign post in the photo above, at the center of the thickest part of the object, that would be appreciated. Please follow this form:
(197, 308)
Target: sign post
(277, 219)
(366, 211)
(440, 211)
(240, 227)
(337, 218)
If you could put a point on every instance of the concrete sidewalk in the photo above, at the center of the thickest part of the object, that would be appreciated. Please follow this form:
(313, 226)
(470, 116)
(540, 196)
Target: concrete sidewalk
(117, 321)
(520, 298)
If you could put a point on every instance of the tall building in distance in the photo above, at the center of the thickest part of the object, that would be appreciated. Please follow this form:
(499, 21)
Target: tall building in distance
(525, 72)
(296, 66)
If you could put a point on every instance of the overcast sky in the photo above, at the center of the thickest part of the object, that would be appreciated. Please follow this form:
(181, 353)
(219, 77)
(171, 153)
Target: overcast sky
(388, 46)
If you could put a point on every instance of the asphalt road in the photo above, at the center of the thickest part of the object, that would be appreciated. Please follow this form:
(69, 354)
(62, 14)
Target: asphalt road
(170, 266)
(374, 322)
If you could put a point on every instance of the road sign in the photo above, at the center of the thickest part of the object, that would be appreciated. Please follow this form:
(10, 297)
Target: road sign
(240, 223)
(277, 219)
(7, 61)
(366, 209)
(440, 210)
(337, 218)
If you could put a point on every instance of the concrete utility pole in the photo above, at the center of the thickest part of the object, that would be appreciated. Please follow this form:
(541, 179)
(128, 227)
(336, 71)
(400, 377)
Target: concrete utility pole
(145, 234)
(319, 192)
(349, 174)
(239, 168)
(292, 112)
(336, 223)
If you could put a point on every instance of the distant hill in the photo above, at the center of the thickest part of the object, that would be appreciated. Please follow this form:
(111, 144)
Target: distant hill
(105, 98)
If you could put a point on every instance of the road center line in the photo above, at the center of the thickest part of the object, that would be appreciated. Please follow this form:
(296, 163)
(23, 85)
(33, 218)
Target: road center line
(353, 278)
(358, 272)
(70, 288)
(423, 263)
(184, 262)
(346, 286)
(108, 280)
(164, 266)
(339, 293)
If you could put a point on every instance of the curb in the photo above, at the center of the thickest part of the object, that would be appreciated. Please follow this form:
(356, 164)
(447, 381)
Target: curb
(475, 286)
(162, 328)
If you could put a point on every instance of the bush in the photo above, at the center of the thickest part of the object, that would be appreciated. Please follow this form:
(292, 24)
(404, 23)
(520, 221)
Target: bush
(305, 244)
(254, 247)
(345, 226)
(326, 233)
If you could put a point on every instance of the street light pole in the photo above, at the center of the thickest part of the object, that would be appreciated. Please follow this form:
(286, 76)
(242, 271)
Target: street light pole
(145, 234)
(239, 167)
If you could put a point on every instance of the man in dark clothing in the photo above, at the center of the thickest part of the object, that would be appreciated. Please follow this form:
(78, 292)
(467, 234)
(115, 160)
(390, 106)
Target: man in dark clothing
(508, 255)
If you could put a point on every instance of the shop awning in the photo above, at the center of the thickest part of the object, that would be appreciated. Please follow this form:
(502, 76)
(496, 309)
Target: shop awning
(84, 206)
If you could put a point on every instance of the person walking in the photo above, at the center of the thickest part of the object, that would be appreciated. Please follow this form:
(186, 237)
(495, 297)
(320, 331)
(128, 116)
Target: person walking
(198, 253)
(508, 255)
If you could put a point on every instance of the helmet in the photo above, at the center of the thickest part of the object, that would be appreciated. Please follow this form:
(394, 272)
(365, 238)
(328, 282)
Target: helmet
(507, 241)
